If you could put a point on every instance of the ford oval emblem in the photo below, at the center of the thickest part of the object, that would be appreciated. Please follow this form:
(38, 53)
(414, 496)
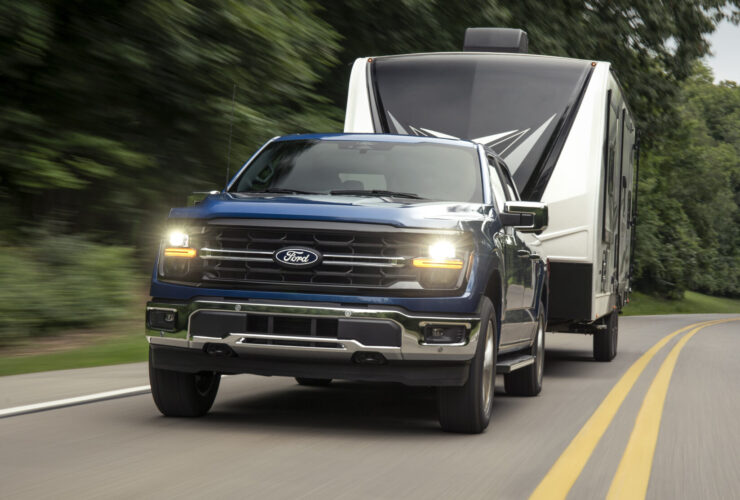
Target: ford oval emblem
(297, 257)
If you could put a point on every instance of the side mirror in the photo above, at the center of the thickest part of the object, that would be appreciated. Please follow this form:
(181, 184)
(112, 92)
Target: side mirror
(199, 196)
(525, 216)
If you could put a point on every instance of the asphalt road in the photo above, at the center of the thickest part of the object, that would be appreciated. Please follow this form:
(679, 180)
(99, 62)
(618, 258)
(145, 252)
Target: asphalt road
(270, 438)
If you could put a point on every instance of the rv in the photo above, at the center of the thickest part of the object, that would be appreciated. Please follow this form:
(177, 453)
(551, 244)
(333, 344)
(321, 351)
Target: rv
(565, 131)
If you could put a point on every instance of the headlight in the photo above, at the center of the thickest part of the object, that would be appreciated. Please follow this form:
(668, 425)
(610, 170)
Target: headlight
(441, 266)
(178, 238)
(442, 250)
(441, 256)
(177, 245)
(178, 260)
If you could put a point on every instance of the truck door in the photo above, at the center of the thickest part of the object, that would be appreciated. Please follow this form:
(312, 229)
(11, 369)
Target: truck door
(525, 268)
(518, 274)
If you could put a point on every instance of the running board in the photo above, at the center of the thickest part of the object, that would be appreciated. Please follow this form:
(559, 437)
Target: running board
(510, 364)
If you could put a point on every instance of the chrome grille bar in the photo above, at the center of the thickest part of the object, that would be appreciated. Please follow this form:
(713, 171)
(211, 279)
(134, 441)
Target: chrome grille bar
(330, 259)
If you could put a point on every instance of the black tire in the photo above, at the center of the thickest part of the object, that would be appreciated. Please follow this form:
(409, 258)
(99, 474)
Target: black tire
(527, 381)
(313, 382)
(605, 341)
(467, 409)
(178, 394)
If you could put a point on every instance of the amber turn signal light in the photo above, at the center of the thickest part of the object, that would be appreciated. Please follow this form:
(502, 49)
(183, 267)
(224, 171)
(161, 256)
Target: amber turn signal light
(438, 263)
(187, 253)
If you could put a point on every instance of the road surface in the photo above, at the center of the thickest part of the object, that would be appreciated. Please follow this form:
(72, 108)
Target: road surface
(586, 436)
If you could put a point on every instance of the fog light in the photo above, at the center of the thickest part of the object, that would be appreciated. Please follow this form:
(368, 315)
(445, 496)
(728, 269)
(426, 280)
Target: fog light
(161, 319)
(444, 334)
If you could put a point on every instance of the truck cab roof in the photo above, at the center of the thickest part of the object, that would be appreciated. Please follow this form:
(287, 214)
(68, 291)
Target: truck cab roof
(398, 138)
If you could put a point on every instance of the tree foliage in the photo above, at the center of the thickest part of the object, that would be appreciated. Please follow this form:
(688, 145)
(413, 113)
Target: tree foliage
(125, 106)
(689, 230)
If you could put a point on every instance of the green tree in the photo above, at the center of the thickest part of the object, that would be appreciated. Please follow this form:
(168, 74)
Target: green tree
(110, 111)
(689, 223)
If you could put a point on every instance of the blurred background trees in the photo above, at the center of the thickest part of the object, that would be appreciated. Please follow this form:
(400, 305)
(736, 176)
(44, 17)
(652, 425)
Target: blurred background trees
(113, 111)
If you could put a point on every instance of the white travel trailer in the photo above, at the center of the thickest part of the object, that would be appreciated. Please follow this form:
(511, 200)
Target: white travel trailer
(565, 131)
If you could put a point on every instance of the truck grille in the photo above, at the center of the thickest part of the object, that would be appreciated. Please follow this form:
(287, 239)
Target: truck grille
(238, 255)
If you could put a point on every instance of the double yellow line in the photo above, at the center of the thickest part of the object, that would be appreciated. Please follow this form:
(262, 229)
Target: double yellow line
(633, 473)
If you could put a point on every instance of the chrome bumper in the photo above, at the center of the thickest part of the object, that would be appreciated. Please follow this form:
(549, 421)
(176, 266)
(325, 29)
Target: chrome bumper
(412, 347)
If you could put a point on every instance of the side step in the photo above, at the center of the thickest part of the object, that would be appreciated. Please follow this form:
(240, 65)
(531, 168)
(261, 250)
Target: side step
(508, 364)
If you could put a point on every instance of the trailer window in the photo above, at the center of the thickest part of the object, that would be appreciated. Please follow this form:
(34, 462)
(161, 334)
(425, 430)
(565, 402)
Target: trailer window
(612, 162)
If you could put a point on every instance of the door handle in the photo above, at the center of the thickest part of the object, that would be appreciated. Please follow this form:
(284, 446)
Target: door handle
(524, 254)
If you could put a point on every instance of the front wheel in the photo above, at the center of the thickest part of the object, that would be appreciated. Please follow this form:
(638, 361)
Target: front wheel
(468, 408)
(178, 394)
(605, 341)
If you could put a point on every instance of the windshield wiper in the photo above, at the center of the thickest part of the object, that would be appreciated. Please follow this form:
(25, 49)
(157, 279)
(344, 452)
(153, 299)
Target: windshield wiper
(284, 191)
(375, 192)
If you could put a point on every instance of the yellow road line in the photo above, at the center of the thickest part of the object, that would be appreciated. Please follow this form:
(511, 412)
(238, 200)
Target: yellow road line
(633, 474)
(563, 474)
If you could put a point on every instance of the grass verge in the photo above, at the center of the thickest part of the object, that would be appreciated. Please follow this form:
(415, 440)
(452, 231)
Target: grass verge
(692, 303)
(129, 347)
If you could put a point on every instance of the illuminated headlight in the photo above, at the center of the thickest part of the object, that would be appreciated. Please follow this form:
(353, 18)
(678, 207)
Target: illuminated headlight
(178, 256)
(441, 256)
(177, 239)
(442, 250)
(441, 266)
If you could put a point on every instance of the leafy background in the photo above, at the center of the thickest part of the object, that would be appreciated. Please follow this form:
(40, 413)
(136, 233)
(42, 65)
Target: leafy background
(113, 111)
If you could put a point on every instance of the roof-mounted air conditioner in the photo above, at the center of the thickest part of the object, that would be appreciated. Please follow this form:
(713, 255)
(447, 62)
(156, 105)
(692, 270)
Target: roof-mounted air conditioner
(495, 40)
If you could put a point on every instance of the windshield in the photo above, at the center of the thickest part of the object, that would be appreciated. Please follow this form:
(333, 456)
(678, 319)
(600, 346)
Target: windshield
(515, 105)
(346, 167)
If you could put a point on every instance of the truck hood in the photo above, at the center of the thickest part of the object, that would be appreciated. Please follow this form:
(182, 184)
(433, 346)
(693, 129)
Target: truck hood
(358, 209)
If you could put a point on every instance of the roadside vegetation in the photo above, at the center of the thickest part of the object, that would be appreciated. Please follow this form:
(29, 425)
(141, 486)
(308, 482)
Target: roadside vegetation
(691, 303)
(112, 112)
(111, 347)
(53, 283)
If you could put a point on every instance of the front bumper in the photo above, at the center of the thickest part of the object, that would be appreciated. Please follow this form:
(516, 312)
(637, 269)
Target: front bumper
(330, 356)
(414, 373)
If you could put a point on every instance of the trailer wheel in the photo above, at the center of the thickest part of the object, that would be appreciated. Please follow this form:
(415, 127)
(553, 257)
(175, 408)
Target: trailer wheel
(178, 394)
(467, 409)
(605, 341)
(528, 381)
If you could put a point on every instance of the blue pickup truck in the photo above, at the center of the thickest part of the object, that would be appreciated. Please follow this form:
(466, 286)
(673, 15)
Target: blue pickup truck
(364, 257)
